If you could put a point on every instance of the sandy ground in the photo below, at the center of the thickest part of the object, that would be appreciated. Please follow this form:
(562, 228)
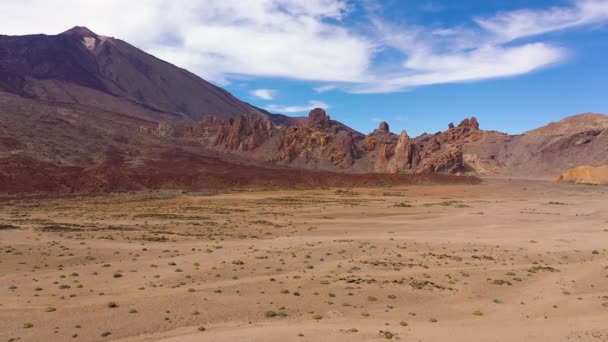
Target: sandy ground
(500, 261)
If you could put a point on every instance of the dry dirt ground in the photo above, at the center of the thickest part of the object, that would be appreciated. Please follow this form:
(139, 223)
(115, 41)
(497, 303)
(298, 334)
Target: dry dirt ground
(499, 261)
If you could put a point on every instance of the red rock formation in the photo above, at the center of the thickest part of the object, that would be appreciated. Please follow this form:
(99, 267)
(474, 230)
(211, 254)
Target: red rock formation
(406, 157)
(469, 123)
(244, 133)
(344, 151)
(318, 119)
(449, 160)
(384, 127)
(320, 143)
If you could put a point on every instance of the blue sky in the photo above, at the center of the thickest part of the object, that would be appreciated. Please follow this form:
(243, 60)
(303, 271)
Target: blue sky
(417, 64)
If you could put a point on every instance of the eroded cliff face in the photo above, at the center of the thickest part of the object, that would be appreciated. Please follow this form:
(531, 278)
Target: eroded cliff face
(244, 133)
(321, 143)
(442, 152)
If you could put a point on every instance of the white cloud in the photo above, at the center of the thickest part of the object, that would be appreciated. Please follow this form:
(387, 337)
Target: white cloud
(214, 39)
(297, 109)
(525, 23)
(264, 94)
(466, 54)
(483, 63)
(311, 40)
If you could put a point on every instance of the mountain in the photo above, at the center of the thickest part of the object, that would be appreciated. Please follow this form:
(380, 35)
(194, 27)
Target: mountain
(79, 66)
(85, 112)
(544, 152)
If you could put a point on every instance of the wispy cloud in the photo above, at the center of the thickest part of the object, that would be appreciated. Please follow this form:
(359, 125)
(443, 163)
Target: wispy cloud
(513, 25)
(297, 109)
(325, 88)
(264, 94)
(486, 62)
(486, 50)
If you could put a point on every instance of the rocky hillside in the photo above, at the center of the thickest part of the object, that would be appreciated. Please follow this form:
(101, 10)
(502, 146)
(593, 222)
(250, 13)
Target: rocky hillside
(544, 152)
(321, 143)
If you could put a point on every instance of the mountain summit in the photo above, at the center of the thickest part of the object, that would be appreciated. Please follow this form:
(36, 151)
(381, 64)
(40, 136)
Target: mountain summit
(80, 31)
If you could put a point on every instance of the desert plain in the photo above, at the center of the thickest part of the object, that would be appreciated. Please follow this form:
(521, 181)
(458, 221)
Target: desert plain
(503, 260)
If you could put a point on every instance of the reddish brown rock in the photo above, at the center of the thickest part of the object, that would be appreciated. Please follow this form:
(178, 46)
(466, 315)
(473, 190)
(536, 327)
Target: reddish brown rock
(384, 127)
(321, 144)
(470, 123)
(449, 160)
(406, 153)
(244, 133)
(318, 119)
(317, 144)
(344, 151)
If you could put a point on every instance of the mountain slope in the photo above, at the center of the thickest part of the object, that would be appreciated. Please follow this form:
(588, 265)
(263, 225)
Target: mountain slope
(543, 152)
(58, 67)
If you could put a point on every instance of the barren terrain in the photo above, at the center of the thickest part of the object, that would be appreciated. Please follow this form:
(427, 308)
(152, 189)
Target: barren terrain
(498, 261)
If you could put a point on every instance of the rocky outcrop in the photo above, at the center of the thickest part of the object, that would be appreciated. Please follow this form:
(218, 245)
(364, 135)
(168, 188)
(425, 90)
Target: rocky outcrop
(439, 153)
(244, 133)
(343, 150)
(447, 160)
(320, 143)
(407, 156)
(586, 175)
(318, 119)
(380, 148)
